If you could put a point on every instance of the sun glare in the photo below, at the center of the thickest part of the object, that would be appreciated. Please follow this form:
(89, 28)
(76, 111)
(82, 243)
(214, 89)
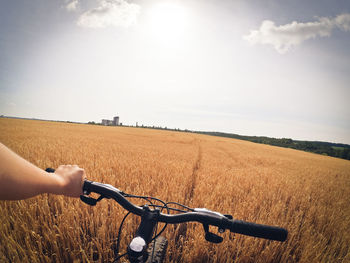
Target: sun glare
(168, 22)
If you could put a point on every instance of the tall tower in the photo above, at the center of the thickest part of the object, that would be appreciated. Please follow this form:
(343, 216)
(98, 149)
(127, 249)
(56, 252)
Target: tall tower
(116, 121)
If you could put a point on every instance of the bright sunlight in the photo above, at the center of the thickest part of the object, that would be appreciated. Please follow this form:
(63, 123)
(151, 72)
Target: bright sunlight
(168, 22)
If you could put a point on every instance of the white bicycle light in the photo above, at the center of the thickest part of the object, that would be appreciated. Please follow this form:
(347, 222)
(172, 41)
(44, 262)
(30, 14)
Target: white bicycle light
(137, 244)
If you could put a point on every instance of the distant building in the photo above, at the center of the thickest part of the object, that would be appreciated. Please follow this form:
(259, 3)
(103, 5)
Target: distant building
(116, 121)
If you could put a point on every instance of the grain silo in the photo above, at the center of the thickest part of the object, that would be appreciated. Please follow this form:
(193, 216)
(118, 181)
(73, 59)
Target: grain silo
(116, 121)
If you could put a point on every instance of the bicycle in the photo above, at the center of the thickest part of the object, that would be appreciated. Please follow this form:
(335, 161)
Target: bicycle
(147, 245)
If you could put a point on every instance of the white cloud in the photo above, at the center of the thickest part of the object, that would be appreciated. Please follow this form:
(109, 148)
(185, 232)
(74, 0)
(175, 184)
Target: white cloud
(110, 13)
(285, 36)
(72, 5)
(343, 22)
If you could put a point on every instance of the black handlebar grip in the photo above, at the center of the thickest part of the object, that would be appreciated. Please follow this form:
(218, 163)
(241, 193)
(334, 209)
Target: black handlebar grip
(86, 185)
(257, 230)
(50, 170)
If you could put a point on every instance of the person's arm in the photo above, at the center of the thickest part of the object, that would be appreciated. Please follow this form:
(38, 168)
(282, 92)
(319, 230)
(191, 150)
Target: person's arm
(19, 179)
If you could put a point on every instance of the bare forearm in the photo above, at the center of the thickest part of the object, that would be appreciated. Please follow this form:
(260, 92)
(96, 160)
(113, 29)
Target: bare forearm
(19, 179)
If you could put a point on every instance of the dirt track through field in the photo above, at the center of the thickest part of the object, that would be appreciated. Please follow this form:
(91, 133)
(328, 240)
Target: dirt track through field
(191, 185)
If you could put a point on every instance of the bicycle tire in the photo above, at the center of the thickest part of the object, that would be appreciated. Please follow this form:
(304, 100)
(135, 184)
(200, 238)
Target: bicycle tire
(160, 248)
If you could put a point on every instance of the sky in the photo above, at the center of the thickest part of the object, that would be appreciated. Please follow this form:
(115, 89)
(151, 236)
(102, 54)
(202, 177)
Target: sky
(272, 68)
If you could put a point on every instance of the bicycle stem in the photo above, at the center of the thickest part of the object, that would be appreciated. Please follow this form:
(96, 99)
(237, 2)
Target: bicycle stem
(137, 249)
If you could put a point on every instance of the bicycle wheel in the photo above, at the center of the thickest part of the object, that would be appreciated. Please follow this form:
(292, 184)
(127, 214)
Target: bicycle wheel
(158, 254)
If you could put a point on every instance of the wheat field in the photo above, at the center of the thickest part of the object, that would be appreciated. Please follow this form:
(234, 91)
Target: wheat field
(307, 194)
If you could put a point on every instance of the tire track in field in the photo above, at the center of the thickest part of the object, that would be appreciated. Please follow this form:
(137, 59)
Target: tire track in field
(191, 185)
(181, 229)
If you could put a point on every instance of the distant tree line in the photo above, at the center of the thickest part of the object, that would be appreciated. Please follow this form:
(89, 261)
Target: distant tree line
(325, 148)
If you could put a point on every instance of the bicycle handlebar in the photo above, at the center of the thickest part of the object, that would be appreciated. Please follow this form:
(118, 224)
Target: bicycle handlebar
(201, 216)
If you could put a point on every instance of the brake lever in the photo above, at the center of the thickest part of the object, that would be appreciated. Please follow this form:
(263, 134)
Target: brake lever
(211, 237)
(89, 200)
